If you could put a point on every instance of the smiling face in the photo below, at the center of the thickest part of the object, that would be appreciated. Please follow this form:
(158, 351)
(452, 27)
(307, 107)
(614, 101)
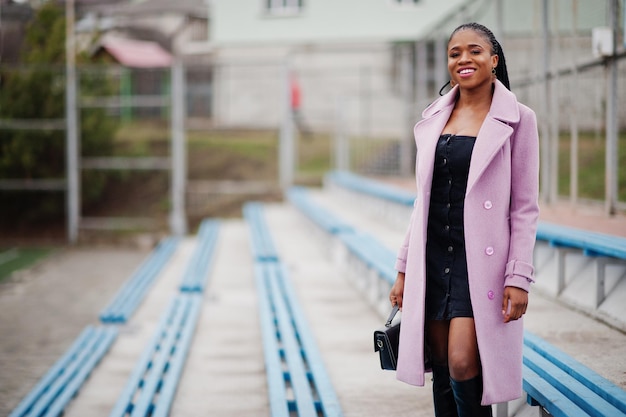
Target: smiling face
(470, 60)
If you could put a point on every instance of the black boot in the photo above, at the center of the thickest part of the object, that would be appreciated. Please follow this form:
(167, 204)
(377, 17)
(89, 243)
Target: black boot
(467, 395)
(443, 398)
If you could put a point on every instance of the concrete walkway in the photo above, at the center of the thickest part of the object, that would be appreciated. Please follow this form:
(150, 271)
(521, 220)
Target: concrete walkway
(224, 374)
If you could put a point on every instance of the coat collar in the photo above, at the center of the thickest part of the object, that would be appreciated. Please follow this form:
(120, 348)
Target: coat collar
(494, 132)
(503, 104)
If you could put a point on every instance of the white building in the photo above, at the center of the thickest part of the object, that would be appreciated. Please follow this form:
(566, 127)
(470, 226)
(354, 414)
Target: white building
(345, 54)
(374, 63)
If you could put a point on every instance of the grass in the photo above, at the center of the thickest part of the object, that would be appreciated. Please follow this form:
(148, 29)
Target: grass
(212, 156)
(591, 166)
(15, 259)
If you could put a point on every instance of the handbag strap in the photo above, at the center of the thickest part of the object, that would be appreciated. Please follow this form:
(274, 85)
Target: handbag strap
(393, 313)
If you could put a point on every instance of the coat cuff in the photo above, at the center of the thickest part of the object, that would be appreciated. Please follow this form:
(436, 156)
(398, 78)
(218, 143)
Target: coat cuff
(518, 274)
(401, 261)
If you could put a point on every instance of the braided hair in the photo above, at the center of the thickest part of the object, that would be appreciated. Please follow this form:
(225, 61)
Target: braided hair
(502, 73)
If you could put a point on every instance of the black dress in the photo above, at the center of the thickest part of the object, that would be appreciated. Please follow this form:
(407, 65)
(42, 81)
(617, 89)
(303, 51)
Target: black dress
(447, 288)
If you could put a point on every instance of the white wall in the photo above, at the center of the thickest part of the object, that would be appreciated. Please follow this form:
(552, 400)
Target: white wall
(245, 21)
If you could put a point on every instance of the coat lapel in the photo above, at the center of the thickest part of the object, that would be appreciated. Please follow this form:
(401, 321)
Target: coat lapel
(427, 132)
(494, 132)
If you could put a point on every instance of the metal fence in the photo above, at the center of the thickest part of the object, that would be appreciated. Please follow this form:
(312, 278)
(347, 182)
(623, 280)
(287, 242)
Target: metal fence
(368, 97)
(106, 97)
(577, 90)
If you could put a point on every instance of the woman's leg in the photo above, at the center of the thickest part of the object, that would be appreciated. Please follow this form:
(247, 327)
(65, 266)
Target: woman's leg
(437, 339)
(464, 364)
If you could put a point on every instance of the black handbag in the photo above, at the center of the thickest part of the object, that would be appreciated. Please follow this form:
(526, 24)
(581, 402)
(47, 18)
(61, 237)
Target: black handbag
(386, 342)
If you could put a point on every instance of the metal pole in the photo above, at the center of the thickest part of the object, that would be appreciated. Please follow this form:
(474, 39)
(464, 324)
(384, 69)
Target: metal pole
(499, 29)
(421, 65)
(178, 221)
(71, 118)
(553, 85)
(545, 130)
(611, 117)
(285, 148)
(342, 160)
(441, 62)
(365, 101)
(406, 155)
(574, 110)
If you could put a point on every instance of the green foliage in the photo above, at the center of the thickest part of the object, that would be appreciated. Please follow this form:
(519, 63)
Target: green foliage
(36, 90)
(591, 166)
(45, 36)
(15, 259)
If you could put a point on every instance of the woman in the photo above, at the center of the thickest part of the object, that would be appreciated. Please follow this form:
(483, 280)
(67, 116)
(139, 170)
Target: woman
(465, 267)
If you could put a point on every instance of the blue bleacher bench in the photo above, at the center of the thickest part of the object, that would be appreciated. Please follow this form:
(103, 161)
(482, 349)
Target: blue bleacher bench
(297, 380)
(603, 249)
(133, 291)
(370, 187)
(151, 387)
(376, 260)
(325, 219)
(591, 243)
(195, 276)
(373, 254)
(263, 248)
(564, 387)
(62, 382)
(560, 385)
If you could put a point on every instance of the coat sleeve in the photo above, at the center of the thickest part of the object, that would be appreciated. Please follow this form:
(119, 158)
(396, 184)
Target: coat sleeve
(524, 211)
(404, 249)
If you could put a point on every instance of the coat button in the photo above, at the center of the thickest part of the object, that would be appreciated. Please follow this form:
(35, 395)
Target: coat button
(487, 204)
(489, 250)
(490, 295)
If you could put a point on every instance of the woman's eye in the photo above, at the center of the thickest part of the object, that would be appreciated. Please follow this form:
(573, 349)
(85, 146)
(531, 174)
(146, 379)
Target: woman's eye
(454, 55)
(476, 51)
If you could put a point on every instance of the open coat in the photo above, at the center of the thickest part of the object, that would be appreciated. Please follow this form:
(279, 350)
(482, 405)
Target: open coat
(500, 218)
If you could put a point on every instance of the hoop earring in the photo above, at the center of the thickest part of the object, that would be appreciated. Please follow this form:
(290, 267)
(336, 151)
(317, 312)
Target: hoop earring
(443, 87)
(493, 70)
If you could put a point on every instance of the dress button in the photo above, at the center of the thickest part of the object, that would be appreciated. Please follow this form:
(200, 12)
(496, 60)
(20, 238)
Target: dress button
(487, 204)
(448, 205)
(445, 161)
(447, 227)
(447, 270)
(489, 250)
(450, 248)
(449, 182)
(490, 295)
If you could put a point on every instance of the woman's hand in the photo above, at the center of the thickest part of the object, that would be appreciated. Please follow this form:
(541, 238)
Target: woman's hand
(514, 303)
(395, 295)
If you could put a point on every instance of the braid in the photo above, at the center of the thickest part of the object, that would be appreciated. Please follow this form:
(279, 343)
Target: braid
(496, 49)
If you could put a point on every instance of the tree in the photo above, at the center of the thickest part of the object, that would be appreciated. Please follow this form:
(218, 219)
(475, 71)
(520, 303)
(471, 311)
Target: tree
(36, 90)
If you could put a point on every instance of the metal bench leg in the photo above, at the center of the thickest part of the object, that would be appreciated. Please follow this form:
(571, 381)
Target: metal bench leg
(502, 410)
(372, 286)
(561, 253)
(600, 280)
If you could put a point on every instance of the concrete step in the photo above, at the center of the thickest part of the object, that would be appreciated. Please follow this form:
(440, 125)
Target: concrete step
(225, 373)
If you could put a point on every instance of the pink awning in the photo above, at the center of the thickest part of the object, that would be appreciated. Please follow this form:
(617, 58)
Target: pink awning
(137, 54)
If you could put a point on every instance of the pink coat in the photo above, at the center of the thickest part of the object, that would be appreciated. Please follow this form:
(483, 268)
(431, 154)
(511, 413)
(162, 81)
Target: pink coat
(500, 215)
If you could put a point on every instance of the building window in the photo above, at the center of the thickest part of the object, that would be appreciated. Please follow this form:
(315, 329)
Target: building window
(284, 7)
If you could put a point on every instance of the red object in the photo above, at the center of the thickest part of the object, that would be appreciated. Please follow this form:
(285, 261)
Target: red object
(137, 54)
(295, 94)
